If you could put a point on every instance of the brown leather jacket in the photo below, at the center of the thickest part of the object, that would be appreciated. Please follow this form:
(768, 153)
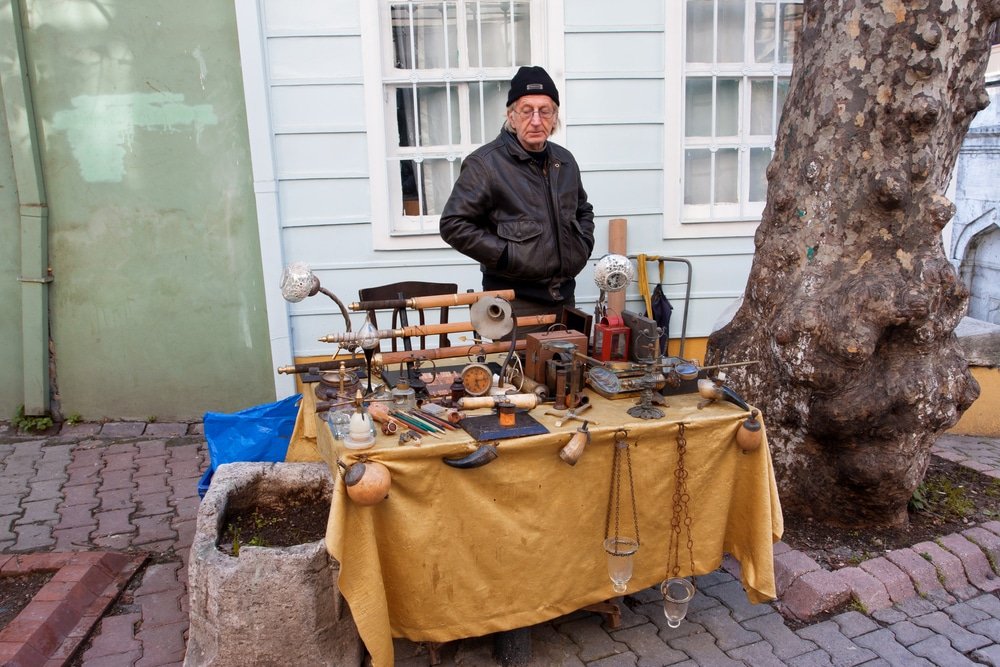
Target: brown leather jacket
(536, 217)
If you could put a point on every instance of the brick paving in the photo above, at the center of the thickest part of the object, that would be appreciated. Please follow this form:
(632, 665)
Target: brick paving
(132, 487)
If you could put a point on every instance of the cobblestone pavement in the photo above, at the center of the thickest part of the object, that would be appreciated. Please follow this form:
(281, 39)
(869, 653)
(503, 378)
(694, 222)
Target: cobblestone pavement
(128, 486)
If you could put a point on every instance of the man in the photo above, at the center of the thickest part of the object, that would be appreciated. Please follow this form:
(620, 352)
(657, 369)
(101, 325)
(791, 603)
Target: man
(519, 207)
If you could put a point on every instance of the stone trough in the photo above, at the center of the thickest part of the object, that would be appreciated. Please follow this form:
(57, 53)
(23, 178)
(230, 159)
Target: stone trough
(269, 605)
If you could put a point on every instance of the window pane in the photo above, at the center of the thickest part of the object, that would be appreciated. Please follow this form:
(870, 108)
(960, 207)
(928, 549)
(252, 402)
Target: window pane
(698, 107)
(727, 107)
(761, 96)
(759, 159)
(438, 178)
(730, 40)
(427, 184)
(504, 31)
(763, 33)
(727, 176)
(791, 25)
(424, 36)
(435, 129)
(697, 176)
(782, 94)
(486, 125)
(699, 31)
(408, 177)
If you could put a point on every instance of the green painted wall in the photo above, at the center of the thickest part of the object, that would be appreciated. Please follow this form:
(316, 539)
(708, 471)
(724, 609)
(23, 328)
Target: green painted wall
(11, 380)
(157, 305)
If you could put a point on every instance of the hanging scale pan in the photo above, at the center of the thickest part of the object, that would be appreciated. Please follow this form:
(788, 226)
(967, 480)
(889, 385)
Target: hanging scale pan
(491, 317)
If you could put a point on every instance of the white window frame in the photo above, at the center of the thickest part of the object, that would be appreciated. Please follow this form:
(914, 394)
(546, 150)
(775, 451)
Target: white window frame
(735, 220)
(390, 231)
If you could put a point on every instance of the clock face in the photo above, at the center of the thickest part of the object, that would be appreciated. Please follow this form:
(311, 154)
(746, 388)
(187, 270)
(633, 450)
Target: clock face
(477, 378)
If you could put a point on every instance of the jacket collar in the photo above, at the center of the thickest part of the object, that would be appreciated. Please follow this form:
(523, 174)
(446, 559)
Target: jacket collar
(514, 146)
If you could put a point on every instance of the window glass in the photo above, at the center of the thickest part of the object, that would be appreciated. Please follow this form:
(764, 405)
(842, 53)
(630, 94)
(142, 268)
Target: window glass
(763, 34)
(697, 177)
(782, 95)
(759, 159)
(761, 106)
(727, 107)
(435, 123)
(791, 26)
(423, 35)
(727, 176)
(730, 39)
(698, 107)
(487, 109)
(700, 30)
(498, 33)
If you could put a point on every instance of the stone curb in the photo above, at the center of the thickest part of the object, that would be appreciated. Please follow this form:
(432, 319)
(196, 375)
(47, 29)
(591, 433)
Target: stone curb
(109, 429)
(961, 568)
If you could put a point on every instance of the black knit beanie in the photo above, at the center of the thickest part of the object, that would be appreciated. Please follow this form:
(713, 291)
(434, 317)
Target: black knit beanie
(532, 81)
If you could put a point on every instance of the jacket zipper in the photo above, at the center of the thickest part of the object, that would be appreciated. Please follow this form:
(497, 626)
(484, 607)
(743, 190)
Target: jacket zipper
(553, 220)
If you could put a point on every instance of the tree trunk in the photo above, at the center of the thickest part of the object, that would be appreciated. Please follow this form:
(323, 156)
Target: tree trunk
(851, 304)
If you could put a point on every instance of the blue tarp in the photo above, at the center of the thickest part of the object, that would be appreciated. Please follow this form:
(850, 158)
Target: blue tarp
(260, 433)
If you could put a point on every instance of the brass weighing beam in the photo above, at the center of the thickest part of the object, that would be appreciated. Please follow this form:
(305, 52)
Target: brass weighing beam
(434, 301)
(431, 329)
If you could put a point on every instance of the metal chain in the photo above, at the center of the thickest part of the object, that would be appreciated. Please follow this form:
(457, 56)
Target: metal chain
(680, 511)
(614, 496)
(631, 487)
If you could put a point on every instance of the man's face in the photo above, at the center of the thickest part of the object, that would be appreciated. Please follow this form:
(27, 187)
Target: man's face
(528, 118)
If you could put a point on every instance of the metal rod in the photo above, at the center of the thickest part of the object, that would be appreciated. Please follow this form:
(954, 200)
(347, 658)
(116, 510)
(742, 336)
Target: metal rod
(433, 301)
(432, 329)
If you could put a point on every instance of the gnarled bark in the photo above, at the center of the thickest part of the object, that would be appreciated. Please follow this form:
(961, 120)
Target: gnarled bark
(851, 304)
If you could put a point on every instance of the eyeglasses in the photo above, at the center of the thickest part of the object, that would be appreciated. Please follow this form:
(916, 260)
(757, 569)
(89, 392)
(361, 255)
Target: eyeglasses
(527, 113)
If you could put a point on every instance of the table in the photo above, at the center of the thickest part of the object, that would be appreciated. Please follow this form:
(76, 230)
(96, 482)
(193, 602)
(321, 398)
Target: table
(461, 553)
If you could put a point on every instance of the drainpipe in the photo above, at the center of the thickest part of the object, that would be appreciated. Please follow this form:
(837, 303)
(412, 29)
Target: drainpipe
(34, 216)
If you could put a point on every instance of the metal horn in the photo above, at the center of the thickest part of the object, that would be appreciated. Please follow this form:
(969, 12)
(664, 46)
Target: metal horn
(491, 317)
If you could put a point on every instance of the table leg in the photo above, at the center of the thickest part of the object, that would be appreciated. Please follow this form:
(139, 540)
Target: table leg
(611, 612)
(434, 652)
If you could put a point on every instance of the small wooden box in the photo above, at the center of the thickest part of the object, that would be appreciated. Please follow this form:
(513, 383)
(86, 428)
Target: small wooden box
(536, 354)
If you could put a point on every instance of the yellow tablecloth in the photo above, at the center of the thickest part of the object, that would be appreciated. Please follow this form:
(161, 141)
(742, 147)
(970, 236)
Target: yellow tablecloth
(461, 553)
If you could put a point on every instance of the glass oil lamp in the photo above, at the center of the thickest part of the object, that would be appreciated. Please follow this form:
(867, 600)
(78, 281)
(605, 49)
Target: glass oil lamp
(677, 593)
(620, 548)
(621, 553)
